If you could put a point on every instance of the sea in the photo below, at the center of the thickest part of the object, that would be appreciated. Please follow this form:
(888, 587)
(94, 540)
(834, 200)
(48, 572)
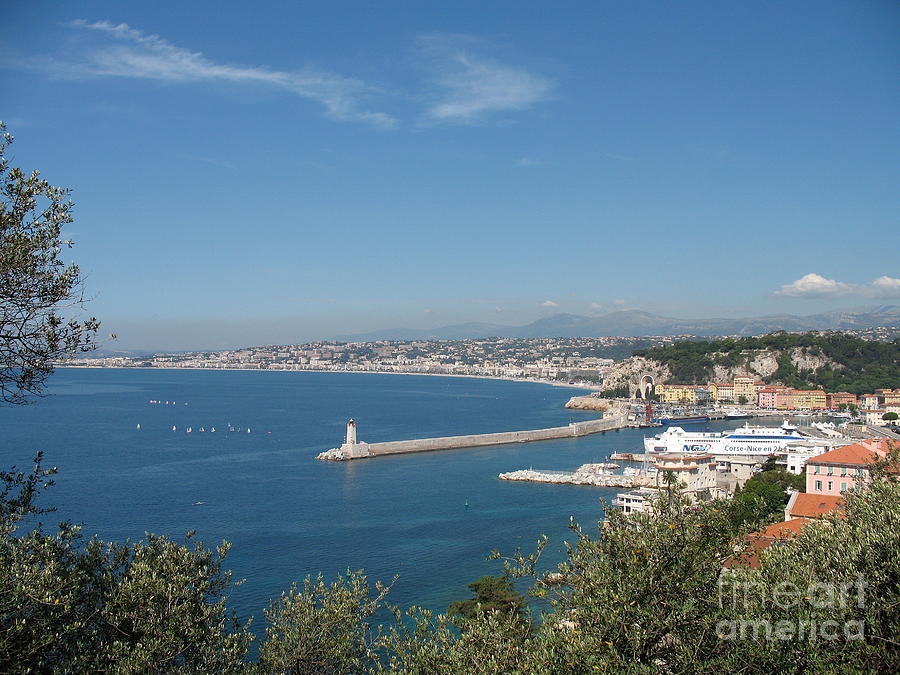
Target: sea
(127, 466)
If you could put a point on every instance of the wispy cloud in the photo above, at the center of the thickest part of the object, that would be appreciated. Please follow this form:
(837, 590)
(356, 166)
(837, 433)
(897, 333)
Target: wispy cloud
(816, 286)
(468, 86)
(530, 161)
(130, 53)
(549, 303)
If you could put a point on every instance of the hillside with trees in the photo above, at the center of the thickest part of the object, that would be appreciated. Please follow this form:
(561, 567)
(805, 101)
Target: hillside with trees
(833, 361)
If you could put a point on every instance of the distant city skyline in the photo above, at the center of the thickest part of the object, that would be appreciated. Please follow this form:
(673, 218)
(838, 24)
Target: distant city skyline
(243, 176)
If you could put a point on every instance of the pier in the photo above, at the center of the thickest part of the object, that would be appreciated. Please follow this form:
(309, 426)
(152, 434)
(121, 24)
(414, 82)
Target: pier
(353, 449)
(587, 474)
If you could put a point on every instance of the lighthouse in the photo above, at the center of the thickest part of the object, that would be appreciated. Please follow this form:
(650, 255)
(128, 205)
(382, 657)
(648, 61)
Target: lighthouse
(351, 433)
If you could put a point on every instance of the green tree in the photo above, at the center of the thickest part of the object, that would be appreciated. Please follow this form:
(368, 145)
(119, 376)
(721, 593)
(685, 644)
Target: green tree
(36, 287)
(322, 628)
(67, 605)
(889, 416)
(491, 594)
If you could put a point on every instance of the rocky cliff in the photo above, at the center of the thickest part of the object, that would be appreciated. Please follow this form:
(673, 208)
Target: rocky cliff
(759, 363)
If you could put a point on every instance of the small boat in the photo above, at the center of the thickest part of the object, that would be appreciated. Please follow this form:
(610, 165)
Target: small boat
(173, 429)
(188, 430)
(212, 430)
(202, 430)
(248, 430)
(687, 419)
(138, 427)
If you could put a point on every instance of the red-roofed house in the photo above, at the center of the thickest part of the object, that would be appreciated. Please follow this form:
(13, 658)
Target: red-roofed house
(811, 506)
(757, 542)
(835, 472)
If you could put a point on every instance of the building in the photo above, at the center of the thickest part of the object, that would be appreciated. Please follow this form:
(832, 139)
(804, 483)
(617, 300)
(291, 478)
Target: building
(811, 506)
(721, 392)
(766, 397)
(800, 399)
(869, 401)
(697, 472)
(682, 393)
(636, 501)
(837, 471)
(757, 542)
(888, 396)
(743, 386)
(837, 399)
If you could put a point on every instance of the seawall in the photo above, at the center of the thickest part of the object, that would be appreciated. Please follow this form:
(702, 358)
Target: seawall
(364, 450)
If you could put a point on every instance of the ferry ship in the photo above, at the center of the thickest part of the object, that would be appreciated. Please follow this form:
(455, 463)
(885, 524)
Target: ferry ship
(745, 440)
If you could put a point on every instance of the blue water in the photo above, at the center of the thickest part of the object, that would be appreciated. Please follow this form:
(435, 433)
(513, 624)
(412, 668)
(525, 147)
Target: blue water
(288, 515)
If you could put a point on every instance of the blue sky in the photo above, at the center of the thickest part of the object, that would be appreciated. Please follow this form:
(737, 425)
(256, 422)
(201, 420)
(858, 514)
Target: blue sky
(289, 171)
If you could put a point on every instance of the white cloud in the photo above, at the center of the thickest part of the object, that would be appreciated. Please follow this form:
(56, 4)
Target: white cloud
(498, 309)
(596, 305)
(885, 287)
(619, 302)
(815, 285)
(549, 303)
(133, 54)
(469, 86)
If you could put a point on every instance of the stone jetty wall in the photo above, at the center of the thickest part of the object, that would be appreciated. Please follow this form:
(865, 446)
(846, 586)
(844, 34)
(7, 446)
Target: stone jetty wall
(363, 450)
(579, 478)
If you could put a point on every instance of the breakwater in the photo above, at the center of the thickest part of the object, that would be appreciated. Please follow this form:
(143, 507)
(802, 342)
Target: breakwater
(584, 475)
(358, 450)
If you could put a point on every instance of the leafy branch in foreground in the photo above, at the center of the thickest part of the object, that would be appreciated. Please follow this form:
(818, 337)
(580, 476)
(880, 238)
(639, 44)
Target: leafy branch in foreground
(36, 286)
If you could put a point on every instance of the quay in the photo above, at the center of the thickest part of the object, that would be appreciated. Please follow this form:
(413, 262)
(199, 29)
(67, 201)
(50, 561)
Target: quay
(587, 474)
(353, 449)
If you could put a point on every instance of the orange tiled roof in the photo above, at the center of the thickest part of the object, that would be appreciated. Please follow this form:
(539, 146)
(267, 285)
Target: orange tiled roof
(783, 530)
(813, 506)
(757, 542)
(854, 455)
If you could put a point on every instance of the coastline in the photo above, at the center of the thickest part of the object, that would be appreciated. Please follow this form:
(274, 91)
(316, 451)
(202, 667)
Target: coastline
(552, 383)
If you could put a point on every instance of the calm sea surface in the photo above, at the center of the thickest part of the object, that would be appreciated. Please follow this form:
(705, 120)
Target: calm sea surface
(288, 515)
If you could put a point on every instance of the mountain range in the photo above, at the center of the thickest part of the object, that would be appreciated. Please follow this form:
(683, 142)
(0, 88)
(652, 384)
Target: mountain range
(635, 323)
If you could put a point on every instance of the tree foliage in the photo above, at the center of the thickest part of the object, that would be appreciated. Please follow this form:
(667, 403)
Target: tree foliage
(69, 605)
(491, 594)
(36, 286)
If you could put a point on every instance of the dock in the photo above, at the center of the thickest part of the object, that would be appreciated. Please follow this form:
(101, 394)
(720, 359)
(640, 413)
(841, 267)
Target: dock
(353, 449)
(583, 475)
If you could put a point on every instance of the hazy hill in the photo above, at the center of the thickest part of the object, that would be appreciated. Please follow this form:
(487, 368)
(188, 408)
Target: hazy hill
(635, 323)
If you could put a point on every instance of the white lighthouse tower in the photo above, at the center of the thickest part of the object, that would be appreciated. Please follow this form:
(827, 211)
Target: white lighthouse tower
(351, 433)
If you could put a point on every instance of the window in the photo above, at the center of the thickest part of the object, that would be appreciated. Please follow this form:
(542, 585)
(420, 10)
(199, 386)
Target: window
(816, 470)
(830, 485)
(843, 486)
(830, 470)
(818, 485)
(843, 470)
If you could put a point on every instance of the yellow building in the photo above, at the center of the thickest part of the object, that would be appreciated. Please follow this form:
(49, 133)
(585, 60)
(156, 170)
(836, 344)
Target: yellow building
(744, 386)
(801, 399)
(677, 393)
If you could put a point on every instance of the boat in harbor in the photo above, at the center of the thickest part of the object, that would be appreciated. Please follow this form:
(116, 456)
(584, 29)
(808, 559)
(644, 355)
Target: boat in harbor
(745, 440)
(685, 419)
